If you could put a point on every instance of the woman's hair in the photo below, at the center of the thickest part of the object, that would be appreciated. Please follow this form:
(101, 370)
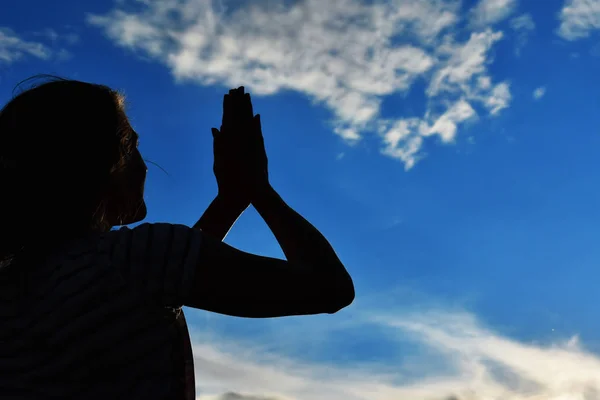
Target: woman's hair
(61, 144)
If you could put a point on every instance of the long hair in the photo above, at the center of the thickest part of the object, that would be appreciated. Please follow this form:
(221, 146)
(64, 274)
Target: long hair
(61, 142)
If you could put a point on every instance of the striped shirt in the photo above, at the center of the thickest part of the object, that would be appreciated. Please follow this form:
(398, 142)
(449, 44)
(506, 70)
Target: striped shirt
(101, 318)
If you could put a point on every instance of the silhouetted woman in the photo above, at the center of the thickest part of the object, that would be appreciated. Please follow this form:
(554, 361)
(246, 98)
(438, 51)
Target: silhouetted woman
(87, 312)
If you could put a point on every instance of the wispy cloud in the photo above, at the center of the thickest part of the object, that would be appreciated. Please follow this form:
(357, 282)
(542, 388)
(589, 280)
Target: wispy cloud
(55, 37)
(460, 359)
(539, 92)
(14, 48)
(346, 55)
(488, 12)
(51, 45)
(578, 18)
(523, 25)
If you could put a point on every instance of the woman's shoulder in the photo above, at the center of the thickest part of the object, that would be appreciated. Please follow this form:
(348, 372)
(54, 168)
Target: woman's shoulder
(148, 239)
(147, 230)
(158, 259)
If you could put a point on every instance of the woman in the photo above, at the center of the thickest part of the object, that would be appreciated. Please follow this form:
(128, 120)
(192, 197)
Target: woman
(93, 313)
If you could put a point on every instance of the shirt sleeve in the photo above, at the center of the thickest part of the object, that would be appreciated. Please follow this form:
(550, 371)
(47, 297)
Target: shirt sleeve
(158, 259)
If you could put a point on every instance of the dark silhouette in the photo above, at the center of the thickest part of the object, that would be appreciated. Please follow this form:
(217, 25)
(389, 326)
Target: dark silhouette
(93, 313)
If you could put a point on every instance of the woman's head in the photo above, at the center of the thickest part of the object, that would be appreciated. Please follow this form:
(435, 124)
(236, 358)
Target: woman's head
(69, 164)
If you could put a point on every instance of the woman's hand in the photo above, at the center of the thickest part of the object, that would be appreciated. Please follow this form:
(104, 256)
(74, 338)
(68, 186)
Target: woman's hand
(260, 163)
(240, 164)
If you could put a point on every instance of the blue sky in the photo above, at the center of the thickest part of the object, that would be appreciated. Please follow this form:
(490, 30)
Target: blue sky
(448, 150)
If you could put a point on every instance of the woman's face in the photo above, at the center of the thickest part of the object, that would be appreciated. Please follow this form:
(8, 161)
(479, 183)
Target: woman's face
(126, 204)
(138, 169)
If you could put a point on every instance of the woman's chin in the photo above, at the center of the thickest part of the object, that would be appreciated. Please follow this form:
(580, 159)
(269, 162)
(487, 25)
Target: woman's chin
(135, 215)
(140, 213)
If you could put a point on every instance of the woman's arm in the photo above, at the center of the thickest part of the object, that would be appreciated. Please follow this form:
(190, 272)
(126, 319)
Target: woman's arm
(233, 282)
(175, 265)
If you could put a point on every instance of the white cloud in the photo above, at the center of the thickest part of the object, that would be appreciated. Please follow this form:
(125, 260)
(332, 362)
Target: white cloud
(523, 25)
(404, 140)
(539, 92)
(459, 358)
(578, 18)
(346, 55)
(465, 62)
(446, 125)
(13, 48)
(488, 12)
(235, 396)
(499, 99)
(462, 73)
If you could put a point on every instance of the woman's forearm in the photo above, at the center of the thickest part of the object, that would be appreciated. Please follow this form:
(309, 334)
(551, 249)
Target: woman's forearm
(298, 238)
(219, 217)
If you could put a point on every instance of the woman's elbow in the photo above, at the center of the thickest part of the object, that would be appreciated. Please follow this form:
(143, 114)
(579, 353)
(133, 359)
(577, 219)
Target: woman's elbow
(344, 295)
